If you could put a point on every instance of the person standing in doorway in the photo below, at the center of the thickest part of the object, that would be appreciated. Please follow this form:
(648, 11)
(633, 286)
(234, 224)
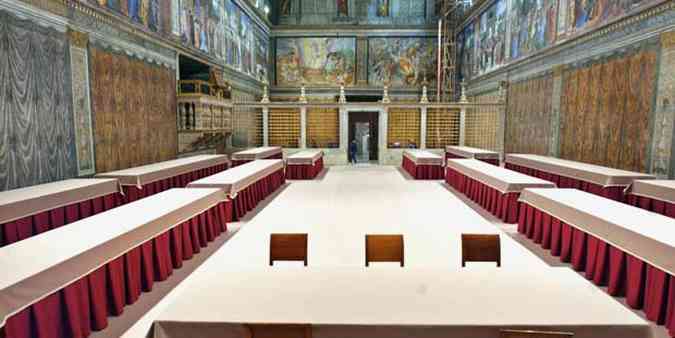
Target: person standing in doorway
(352, 152)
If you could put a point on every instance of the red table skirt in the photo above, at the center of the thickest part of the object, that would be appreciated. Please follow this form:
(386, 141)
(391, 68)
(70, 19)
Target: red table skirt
(273, 157)
(85, 305)
(493, 161)
(304, 171)
(30, 226)
(422, 171)
(502, 205)
(644, 286)
(657, 206)
(247, 199)
(133, 193)
(614, 192)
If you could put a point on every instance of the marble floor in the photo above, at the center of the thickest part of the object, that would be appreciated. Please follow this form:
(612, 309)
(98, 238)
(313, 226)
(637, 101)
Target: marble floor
(344, 203)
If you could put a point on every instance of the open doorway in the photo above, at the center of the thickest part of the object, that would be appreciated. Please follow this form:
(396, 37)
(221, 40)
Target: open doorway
(363, 128)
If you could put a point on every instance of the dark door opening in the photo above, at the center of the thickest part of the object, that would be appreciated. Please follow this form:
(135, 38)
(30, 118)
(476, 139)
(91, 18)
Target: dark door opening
(363, 128)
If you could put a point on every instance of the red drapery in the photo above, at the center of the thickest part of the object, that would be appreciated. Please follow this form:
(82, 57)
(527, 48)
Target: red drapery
(32, 225)
(304, 171)
(502, 205)
(85, 305)
(277, 156)
(644, 286)
(654, 205)
(247, 199)
(613, 192)
(422, 171)
(133, 193)
(492, 161)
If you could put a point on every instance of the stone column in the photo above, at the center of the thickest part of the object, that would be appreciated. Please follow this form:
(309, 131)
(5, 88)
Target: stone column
(462, 126)
(663, 141)
(423, 128)
(501, 116)
(303, 127)
(344, 128)
(266, 126)
(382, 139)
(554, 130)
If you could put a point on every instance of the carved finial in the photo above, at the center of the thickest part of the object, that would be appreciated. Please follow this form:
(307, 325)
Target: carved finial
(424, 98)
(502, 91)
(343, 97)
(303, 97)
(266, 97)
(463, 98)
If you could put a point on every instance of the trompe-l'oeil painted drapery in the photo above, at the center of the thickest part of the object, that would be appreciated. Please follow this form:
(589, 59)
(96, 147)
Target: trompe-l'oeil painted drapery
(37, 142)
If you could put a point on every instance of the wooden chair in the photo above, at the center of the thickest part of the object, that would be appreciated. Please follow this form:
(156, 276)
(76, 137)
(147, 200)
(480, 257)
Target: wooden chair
(481, 248)
(288, 247)
(533, 334)
(384, 248)
(279, 331)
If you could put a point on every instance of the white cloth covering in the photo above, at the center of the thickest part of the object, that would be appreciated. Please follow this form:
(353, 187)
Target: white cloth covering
(423, 157)
(236, 179)
(504, 180)
(38, 266)
(643, 234)
(469, 152)
(256, 153)
(19, 203)
(602, 176)
(139, 176)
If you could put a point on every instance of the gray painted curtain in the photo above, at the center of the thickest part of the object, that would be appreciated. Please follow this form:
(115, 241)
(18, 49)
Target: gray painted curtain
(37, 141)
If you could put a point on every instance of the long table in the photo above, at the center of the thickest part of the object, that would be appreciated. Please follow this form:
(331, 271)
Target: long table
(253, 154)
(66, 282)
(244, 186)
(603, 181)
(494, 188)
(306, 164)
(653, 195)
(422, 164)
(629, 249)
(373, 303)
(29, 211)
(139, 182)
(488, 156)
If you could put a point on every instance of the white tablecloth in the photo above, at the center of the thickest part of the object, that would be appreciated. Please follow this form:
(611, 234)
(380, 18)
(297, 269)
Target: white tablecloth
(236, 179)
(139, 176)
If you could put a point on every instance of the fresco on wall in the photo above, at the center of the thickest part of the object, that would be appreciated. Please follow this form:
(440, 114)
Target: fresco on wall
(144, 12)
(220, 29)
(342, 7)
(491, 42)
(37, 137)
(405, 62)
(285, 7)
(315, 61)
(592, 13)
(382, 8)
(533, 25)
(466, 50)
(261, 57)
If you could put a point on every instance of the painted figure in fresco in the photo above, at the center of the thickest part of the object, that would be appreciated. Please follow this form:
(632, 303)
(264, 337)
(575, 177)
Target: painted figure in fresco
(342, 7)
(112, 4)
(285, 7)
(551, 16)
(134, 10)
(382, 9)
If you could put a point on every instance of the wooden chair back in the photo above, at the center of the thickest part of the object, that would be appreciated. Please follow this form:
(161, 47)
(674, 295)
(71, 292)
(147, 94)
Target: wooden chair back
(481, 248)
(384, 248)
(288, 247)
(279, 331)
